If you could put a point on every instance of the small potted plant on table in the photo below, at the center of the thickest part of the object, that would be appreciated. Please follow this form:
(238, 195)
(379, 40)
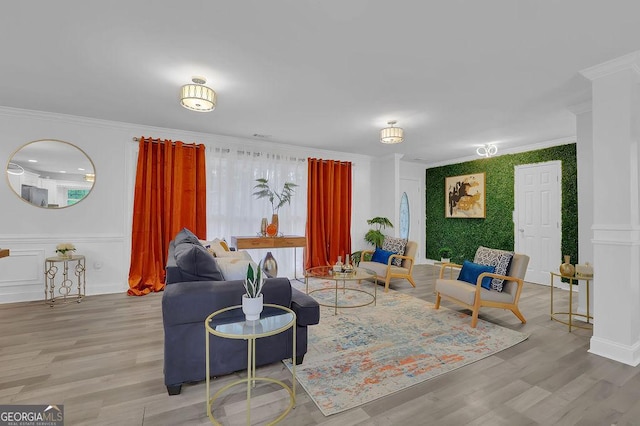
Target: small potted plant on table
(445, 254)
(252, 300)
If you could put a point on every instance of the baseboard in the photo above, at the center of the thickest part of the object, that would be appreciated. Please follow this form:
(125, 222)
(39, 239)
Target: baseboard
(625, 354)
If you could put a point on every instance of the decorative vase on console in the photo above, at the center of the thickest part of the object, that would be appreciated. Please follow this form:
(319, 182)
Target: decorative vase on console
(567, 269)
(263, 226)
(252, 300)
(274, 223)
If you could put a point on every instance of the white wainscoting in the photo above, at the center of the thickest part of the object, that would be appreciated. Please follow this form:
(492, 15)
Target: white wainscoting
(22, 272)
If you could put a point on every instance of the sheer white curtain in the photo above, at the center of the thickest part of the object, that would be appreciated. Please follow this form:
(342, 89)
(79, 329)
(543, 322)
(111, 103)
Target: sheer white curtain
(233, 210)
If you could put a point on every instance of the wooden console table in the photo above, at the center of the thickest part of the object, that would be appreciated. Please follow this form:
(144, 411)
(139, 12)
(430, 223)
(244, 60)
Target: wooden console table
(4, 252)
(286, 241)
(268, 242)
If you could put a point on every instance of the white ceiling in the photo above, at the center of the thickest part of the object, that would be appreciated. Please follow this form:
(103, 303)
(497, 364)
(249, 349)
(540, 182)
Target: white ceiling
(320, 73)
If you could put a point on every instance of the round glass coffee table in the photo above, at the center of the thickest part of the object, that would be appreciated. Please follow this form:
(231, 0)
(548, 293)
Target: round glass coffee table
(358, 275)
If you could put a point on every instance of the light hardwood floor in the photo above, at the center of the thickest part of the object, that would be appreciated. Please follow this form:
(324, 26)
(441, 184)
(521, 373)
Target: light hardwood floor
(102, 359)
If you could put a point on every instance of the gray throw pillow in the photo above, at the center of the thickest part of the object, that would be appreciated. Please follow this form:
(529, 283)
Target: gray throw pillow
(196, 263)
(395, 245)
(186, 236)
(501, 259)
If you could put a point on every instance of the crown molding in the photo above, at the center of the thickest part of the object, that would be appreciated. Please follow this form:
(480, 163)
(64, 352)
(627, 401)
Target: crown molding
(210, 139)
(531, 147)
(630, 61)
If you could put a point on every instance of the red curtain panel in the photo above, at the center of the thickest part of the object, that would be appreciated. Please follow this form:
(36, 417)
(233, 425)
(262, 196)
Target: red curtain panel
(328, 227)
(170, 194)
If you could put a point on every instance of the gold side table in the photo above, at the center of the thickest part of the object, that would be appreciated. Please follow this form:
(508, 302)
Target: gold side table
(250, 331)
(66, 286)
(570, 313)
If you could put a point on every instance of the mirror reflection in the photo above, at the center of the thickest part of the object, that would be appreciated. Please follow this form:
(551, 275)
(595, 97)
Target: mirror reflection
(50, 173)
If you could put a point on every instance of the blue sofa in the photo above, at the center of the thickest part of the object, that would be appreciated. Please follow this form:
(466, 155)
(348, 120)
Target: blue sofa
(194, 290)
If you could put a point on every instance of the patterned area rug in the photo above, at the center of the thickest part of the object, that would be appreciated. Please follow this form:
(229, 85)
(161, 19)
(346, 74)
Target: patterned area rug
(366, 353)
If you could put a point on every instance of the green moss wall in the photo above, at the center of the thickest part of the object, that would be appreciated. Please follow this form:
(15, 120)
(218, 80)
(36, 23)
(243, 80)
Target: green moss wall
(464, 236)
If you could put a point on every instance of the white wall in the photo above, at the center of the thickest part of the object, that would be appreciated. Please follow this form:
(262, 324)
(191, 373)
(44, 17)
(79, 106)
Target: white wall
(385, 193)
(417, 172)
(100, 225)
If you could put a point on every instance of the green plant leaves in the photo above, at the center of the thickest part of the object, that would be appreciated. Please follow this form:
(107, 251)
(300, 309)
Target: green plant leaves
(277, 200)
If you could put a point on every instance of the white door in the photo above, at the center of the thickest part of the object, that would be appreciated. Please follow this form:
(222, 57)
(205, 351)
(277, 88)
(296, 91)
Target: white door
(537, 218)
(412, 188)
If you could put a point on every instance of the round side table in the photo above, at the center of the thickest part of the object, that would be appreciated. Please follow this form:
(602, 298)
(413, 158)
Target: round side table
(250, 331)
(66, 286)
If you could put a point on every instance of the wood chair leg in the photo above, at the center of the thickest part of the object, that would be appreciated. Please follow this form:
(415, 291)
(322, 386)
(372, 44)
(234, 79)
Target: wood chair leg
(517, 313)
(438, 300)
(474, 318)
(410, 279)
(386, 284)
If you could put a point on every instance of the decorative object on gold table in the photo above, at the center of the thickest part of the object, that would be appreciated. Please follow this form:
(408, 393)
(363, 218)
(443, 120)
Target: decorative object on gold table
(567, 269)
(222, 324)
(65, 250)
(66, 286)
(356, 274)
(570, 313)
(584, 271)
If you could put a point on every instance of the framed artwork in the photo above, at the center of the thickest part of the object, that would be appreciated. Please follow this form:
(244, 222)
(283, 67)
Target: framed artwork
(465, 196)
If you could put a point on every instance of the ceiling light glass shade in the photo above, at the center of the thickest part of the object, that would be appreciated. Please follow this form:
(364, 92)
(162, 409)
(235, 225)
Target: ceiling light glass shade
(197, 97)
(390, 135)
(488, 150)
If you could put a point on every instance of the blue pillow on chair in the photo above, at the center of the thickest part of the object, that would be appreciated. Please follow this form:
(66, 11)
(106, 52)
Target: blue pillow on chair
(471, 271)
(381, 256)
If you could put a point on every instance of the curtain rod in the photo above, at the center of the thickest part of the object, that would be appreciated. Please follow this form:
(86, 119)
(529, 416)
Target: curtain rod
(158, 140)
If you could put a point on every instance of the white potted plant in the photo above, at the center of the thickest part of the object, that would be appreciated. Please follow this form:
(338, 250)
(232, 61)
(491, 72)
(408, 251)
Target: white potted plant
(252, 300)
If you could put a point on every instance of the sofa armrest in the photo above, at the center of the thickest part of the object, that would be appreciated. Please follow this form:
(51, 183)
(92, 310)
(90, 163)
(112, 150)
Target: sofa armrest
(306, 308)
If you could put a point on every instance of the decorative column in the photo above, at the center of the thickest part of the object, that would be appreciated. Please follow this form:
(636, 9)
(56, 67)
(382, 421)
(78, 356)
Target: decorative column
(584, 145)
(616, 195)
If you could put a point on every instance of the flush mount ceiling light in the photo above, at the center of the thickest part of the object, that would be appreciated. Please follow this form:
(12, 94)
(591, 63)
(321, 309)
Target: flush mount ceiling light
(15, 169)
(197, 96)
(390, 135)
(488, 150)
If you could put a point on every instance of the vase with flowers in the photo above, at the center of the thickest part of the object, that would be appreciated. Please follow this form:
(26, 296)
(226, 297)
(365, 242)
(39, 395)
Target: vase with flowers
(252, 300)
(65, 250)
(277, 200)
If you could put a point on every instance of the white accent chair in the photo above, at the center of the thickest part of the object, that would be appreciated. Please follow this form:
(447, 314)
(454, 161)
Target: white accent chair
(475, 296)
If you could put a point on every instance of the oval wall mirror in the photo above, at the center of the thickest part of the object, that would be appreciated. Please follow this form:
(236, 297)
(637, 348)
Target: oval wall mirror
(51, 173)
